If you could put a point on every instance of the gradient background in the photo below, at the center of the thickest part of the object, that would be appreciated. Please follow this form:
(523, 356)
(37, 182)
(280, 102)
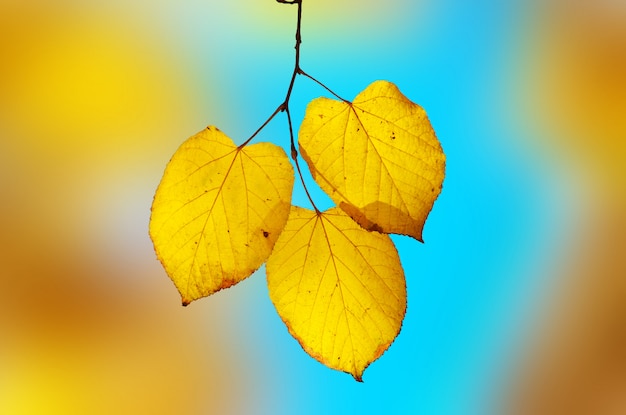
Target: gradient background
(527, 98)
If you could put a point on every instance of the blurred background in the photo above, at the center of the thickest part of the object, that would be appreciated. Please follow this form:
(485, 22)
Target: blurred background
(516, 301)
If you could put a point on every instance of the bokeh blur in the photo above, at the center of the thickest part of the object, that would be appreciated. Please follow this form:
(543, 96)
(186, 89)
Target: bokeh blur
(517, 299)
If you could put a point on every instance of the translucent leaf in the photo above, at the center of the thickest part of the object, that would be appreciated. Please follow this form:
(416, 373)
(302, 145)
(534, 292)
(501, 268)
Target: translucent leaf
(378, 158)
(339, 288)
(218, 211)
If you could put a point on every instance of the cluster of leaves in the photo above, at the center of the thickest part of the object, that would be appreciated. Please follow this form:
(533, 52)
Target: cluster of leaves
(335, 278)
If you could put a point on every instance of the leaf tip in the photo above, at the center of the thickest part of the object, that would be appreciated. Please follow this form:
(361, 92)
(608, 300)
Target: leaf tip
(186, 298)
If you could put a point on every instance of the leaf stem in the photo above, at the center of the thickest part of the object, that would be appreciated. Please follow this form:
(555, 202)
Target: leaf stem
(271, 117)
(301, 72)
(294, 157)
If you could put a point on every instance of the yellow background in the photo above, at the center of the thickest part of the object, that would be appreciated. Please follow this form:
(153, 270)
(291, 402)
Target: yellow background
(96, 96)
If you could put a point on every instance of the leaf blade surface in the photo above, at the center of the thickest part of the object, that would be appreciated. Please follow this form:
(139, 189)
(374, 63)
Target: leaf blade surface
(218, 211)
(339, 288)
(378, 158)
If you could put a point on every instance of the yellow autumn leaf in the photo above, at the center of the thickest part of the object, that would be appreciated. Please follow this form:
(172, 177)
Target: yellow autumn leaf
(218, 211)
(339, 288)
(378, 158)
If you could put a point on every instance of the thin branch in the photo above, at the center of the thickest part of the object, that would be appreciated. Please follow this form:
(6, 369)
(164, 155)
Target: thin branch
(284, 106)
(296, 67)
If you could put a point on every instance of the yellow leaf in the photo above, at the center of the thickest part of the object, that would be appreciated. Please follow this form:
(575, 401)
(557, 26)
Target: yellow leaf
(378, 158)
(218, 211)
(339, 288)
